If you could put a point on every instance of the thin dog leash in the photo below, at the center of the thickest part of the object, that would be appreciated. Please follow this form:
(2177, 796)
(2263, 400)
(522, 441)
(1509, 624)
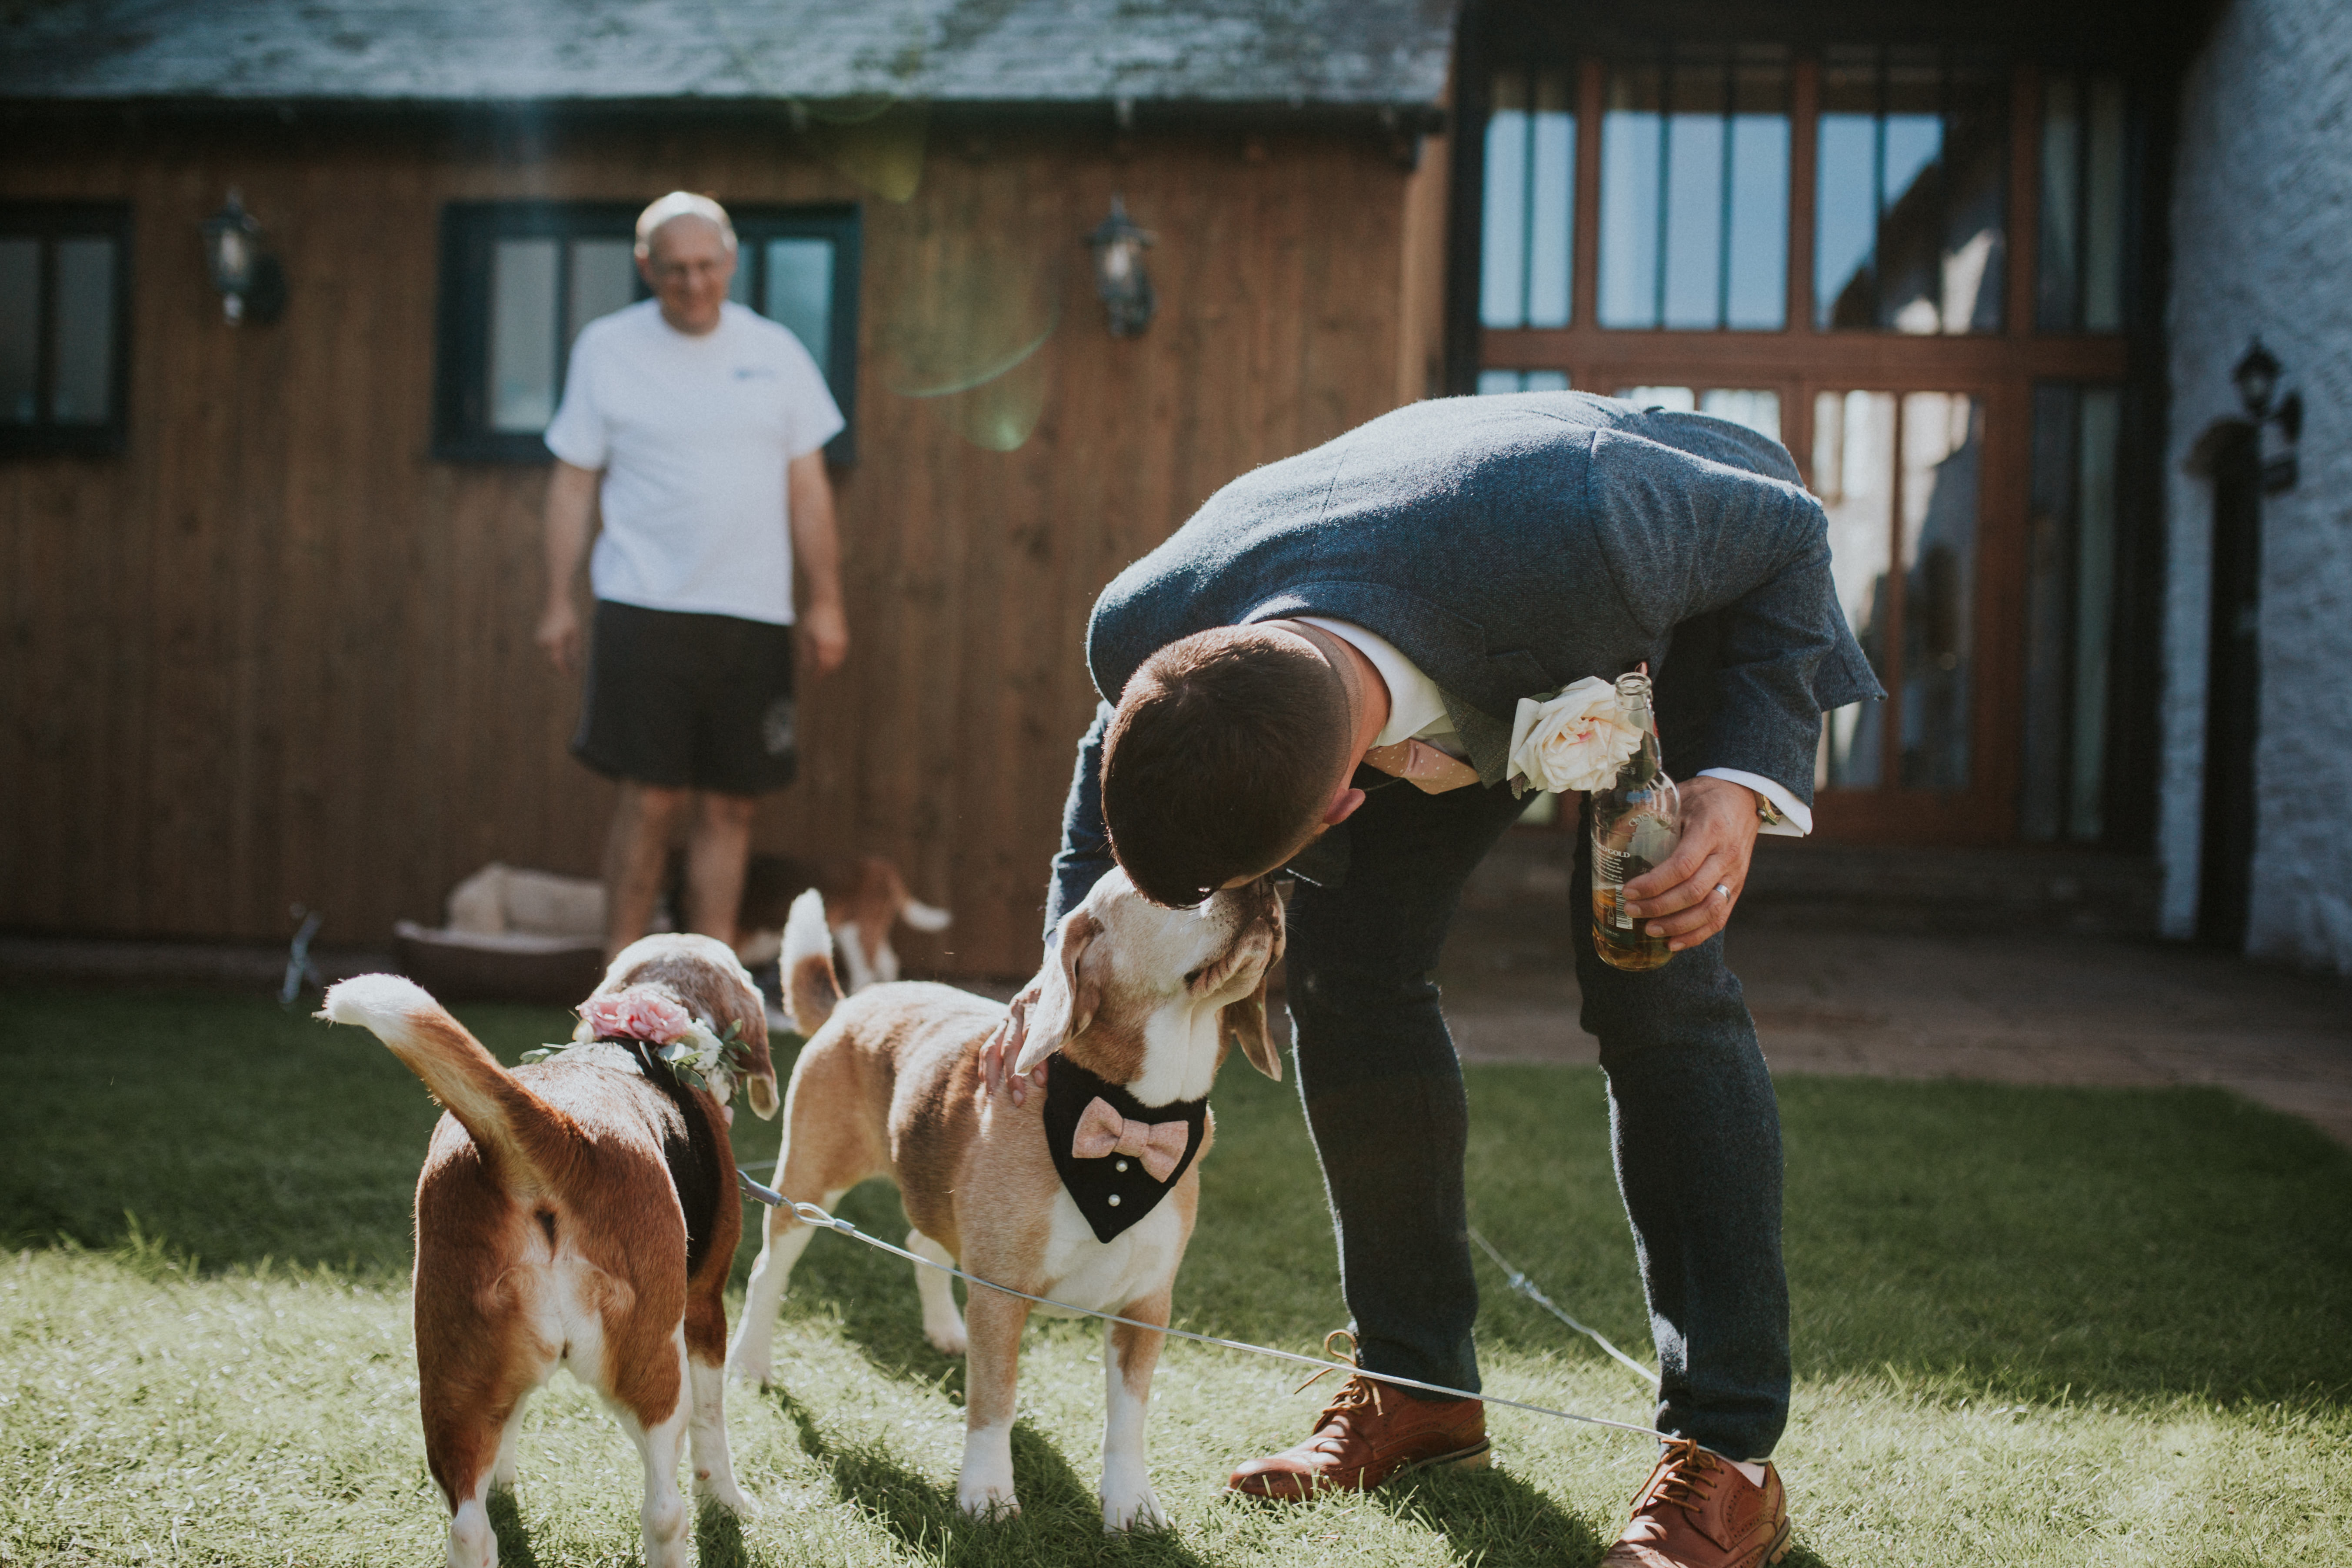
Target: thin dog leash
(812, 1215)
(1527, 1287)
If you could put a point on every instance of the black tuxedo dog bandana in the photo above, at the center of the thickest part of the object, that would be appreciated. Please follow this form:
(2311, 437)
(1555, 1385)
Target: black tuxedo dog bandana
(1114, 1184)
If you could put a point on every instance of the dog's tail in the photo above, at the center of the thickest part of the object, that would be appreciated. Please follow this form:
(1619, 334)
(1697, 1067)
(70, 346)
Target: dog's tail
(520, 1132)
(925, 917)
(812, 991)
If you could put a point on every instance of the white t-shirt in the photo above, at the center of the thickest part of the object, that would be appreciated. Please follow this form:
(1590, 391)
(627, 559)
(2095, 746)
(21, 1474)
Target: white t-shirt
(693, 435)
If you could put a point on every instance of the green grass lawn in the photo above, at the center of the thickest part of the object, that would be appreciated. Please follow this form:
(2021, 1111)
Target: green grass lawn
(2032, 1326)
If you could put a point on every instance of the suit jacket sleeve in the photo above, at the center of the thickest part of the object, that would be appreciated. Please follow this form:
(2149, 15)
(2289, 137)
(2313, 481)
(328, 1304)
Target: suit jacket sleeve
(1778, 666)
(1085, 854)
(1703, 551)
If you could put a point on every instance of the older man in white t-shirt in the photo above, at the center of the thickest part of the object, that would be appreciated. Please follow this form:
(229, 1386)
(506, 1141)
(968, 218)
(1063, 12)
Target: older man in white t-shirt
(700, 426)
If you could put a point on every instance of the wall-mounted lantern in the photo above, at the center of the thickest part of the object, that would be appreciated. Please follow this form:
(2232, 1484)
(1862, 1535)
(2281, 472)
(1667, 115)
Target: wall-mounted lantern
(251, 283)
(2279, 428)
(1120, 280)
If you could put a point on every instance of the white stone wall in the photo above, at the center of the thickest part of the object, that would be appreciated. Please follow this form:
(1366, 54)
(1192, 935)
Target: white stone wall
(2261, 230)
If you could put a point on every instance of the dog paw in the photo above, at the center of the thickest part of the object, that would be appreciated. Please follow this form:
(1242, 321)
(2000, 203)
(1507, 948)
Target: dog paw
(1137, 1511)
(948, 1341)
(988, 1502)
(746, 1368)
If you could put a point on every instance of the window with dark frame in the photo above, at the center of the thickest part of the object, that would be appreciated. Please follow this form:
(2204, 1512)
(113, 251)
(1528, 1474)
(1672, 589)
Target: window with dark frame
(65, 316)
(519, 279)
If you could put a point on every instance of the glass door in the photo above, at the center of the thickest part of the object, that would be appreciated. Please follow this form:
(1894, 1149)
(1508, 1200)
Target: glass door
(1845, 248)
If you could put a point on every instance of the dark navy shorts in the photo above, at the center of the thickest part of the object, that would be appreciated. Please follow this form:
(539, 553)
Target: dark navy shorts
(689, 702)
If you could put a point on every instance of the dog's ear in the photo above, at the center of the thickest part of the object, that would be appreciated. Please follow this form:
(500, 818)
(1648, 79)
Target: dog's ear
(1245, 1023)
(1067, 994)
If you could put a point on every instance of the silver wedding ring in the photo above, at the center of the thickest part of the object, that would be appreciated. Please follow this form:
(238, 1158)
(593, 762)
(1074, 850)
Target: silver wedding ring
(1724, 891)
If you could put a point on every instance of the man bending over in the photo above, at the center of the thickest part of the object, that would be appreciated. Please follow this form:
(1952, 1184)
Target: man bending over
(1378, 606)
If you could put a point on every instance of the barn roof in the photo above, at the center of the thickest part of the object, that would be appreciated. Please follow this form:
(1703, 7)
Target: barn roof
(1300, 53)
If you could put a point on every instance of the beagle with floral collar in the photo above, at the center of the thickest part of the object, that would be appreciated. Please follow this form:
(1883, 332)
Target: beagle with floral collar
(581, 1213)
(1085, 1194)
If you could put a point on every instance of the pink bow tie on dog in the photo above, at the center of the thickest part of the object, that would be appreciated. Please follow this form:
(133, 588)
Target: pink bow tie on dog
(1102, 1131)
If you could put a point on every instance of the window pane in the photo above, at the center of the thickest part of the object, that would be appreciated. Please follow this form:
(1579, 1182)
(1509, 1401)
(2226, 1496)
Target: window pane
(603, 279)
(2080, 265)
(20, 327)
(1910, 177)
(1632, 158)
(1758, 410)
(2094, 607)
(1853, 475)
(2103, 225)
(1493, 381)
(1530, 207)
(799, 293)
(1975, 203)
(522, 333)
(1758, 298)
(83, 390)
(1502, 232)
(1942, 433)
(1675, 399)
(2059, 268)
(1551, 209)
(1846, 200)
(2070, 611)
(1908, 224)
(1697, 148)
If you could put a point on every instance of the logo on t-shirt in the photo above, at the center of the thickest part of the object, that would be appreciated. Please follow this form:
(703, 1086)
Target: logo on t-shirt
(755, 372)
(776, 727)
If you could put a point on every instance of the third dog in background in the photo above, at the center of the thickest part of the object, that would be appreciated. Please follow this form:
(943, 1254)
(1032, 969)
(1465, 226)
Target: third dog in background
(864, 898)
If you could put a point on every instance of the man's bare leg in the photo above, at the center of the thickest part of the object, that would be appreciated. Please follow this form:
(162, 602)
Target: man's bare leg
(714, 854)
(636, 858)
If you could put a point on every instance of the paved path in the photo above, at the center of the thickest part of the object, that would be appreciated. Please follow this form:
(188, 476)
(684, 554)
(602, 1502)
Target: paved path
(2014, 1009)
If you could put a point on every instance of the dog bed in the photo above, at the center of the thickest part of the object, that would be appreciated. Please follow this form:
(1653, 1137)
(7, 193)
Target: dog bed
(498, 966)
(513, 935)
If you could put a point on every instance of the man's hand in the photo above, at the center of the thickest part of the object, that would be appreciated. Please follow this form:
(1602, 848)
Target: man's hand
(826, 630)
(558, 635)
(1678, 899)
(1004, 1048)
(571, 500)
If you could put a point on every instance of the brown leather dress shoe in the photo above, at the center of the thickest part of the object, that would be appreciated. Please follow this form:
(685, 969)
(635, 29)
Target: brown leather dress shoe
(1369, 1433)
(1697, 1510)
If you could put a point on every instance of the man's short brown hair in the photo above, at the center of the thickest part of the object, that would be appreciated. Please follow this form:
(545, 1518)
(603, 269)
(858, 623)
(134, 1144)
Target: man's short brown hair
(1221, 760)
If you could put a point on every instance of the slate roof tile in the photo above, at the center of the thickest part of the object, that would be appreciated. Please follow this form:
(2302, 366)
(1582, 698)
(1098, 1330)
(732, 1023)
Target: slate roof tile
(1300, 52)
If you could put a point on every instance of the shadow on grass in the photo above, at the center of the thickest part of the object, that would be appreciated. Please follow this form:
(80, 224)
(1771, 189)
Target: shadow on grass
(1494, 1519)
(2004, 1240)
(1060, 1518)
(506, 1523)
(717, 1539)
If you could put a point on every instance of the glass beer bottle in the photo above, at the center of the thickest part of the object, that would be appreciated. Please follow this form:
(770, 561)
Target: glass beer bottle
(1636, 822)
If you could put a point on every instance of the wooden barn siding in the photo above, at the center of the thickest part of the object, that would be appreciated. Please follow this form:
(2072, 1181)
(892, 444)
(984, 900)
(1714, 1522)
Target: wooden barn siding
(275, 653)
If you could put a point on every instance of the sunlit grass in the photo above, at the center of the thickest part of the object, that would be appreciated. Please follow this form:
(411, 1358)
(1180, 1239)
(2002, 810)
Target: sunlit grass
(2032, 1326)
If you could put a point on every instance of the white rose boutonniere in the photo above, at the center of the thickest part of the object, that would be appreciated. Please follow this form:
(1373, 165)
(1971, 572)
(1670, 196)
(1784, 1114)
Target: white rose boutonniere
(1573, 739)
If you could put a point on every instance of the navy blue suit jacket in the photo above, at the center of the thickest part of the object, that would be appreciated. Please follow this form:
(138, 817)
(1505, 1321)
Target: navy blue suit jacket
(1508, 546)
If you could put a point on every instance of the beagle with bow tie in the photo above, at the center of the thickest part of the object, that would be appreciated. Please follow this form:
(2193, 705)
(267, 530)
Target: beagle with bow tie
(1085, 1194)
